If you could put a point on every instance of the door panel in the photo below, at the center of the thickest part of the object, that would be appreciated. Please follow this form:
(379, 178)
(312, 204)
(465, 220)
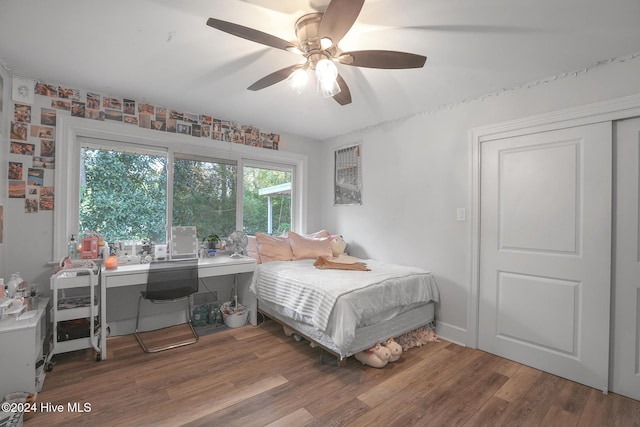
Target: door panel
(545, 251)
(526, 176)
(520, 296)
(625, 353)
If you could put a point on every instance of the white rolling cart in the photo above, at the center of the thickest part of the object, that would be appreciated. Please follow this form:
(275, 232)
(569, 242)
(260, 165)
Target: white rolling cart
(76, 296)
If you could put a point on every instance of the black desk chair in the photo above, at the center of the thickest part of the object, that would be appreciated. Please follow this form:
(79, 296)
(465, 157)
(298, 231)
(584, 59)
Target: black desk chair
(169, 282)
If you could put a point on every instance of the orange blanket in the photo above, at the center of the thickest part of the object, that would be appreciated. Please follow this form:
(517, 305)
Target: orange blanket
(324, 263)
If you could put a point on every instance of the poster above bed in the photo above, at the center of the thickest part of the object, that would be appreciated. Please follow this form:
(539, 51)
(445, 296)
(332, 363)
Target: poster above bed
(348, 176)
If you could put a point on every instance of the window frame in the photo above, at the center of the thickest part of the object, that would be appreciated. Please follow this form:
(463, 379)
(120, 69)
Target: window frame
(71, 131)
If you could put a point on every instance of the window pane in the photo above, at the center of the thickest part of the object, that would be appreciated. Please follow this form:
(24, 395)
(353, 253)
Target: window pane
(267, 200)
(204, 195)
(123, 195)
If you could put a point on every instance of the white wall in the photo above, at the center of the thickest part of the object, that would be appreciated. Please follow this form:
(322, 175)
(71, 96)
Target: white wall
(416, 173)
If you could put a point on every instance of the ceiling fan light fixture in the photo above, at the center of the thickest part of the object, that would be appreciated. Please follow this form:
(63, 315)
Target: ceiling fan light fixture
(326, 74)
(326, 71)
(328, 89)
(326, 43)
(298, 80)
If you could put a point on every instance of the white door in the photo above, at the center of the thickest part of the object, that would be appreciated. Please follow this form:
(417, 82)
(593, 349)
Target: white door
(625, 353)
(545, 251)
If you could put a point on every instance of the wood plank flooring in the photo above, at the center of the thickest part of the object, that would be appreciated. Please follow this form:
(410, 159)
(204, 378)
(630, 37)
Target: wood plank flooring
(256, 376)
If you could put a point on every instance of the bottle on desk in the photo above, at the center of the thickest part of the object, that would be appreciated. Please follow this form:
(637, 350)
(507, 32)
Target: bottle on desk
(72, 247)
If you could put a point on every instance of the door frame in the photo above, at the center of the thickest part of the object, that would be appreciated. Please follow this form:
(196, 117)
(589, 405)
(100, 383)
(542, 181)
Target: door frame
(616, 109)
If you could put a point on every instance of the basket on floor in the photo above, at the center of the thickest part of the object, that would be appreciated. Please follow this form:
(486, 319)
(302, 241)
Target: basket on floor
(234, 315)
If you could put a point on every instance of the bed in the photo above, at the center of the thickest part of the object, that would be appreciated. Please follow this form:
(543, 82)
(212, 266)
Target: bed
(344, 311)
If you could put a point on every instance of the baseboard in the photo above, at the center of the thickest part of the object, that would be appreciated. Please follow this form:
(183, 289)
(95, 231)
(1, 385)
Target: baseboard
(452, 333)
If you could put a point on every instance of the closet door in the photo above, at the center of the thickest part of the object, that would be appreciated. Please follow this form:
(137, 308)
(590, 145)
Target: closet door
(626, 295)
(545, 251)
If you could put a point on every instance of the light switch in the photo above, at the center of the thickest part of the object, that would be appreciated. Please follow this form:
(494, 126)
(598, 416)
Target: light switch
(461, 214)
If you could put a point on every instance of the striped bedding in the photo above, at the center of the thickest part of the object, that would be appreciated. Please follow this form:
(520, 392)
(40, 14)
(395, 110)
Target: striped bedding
(337, 302)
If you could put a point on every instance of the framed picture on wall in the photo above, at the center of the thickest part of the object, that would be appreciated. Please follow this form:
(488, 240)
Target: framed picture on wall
(347, 187)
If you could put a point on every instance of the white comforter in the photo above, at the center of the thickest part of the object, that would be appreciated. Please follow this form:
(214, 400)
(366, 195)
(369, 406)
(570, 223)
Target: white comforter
(336, 302)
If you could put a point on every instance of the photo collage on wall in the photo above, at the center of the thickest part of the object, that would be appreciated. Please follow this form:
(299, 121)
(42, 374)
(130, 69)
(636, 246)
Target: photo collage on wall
(31, 153)
(31, 160)
(98, 107)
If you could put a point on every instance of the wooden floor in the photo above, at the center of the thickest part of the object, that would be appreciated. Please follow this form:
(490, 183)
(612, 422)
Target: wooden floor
(257, 377)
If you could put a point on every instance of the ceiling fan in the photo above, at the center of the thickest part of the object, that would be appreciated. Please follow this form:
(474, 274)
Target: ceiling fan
(318, 36)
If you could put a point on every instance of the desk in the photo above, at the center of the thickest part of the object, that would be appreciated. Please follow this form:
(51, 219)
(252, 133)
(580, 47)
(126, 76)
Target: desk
(136, 274)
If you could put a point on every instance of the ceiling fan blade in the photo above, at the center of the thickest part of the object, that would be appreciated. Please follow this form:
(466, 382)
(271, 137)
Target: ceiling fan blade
(250, 34)
(344, 96)
(339, 18)
(388, 59)
(273, 78)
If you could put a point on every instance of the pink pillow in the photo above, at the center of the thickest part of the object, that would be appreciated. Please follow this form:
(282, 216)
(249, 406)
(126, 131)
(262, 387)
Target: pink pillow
(252, 248)
(309, 248)
(272, 248)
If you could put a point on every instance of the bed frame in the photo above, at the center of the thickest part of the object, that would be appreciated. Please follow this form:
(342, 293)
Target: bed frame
(365, 338)
(323, 349)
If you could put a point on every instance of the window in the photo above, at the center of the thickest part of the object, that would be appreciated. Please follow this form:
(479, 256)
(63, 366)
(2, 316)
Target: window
(204, 195)
(266, 200)
(137, 184)
(123, 194)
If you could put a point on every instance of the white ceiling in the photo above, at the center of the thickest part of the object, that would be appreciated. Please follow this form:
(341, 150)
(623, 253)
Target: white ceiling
(162, 52)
